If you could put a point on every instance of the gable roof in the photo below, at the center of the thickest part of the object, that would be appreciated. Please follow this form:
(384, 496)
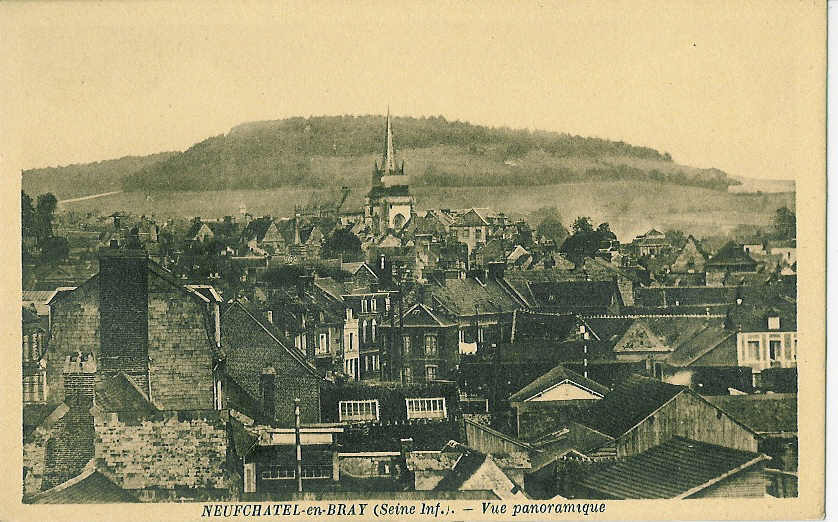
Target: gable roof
(237, 318)
(465, 297)
(731, 254)
(677, 468)
(697, 346)
(472, 218)
(556, 376)
(89, 487)
(116, 393)
(764, 413)
(576, 295)
(628, 404)
(421, 315)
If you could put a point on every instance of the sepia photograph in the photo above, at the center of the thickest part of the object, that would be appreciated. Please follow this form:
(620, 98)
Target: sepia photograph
(415, 261)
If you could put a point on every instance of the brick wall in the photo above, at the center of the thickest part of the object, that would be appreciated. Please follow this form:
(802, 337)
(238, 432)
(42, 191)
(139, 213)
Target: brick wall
(166, 453)
(178, 348)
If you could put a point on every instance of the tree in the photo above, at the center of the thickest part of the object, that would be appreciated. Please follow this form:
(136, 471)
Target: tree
(343, 244)
(550, 224)
(676, 238)
(585, 240)
(27, 221)
(54, 250)
(785, 223)
(44, 214)
(582, 225)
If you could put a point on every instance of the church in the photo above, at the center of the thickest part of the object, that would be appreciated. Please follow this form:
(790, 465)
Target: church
(389, 204)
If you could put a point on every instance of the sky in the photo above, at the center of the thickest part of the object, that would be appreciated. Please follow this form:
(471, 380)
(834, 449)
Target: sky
(738, 87)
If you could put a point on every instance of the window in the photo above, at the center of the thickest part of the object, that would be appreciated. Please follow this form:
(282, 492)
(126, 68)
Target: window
(323, 343)
(32, 347)
(432, 408)
(773, 349)
(753, 351)
(406, 346)
(358, 410)
(407, 375)
(364, 331)
(478, 234)
(286, 473)
(373, 329)
(364, 305)
(794, 350)
(373, 304)
(383, 467)
(465, 233)
(774, 323)
(34, 388)
(431, 372)
(430, 345)
(219, 395)
(351, 341)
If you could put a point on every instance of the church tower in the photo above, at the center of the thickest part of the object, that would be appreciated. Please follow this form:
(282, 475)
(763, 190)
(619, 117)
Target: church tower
(389, 204)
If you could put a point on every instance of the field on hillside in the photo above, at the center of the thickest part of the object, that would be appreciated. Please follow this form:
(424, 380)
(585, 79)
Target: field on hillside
(630, 207)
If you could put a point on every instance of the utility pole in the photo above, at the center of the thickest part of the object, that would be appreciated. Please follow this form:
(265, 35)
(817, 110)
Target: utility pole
(298, 445)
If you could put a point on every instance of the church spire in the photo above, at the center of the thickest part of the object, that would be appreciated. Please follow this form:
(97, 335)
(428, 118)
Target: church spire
(388, 164)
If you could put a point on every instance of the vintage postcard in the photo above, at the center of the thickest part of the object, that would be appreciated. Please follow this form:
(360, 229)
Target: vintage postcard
(428, 261)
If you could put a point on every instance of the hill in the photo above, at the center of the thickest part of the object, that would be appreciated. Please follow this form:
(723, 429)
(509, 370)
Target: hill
(339, 150)
(85, 179)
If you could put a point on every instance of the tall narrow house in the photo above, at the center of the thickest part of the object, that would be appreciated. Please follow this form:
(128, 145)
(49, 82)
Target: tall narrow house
(389, 204)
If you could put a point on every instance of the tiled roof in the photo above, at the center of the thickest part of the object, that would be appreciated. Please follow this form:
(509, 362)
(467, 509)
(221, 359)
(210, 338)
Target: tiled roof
(91, 487)
(674, 469)
(556, 376)
(763, 413)
(466, 466)
(628, 404)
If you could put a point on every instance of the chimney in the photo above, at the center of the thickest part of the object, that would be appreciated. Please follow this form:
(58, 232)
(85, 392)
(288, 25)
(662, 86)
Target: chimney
(421, 294)
(405, 447)
(496, 270)
(305, 284)
(268, 387)
(79, 380)
(123, 311)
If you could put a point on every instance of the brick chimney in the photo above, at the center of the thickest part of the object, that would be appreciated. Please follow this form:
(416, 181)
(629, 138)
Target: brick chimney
(123, 311)
(496, 270)
(267, 385)
(79, 380)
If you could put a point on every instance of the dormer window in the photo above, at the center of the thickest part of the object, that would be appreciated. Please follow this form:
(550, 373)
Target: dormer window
(773, 322)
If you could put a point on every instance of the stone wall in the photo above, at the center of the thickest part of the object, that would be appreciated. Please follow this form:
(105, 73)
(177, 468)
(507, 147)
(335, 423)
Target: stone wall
(166, 453)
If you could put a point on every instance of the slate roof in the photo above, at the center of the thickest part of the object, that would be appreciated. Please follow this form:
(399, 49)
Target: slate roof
(697, 346)
(467, 297)
(115, 393)
(556, 376)
(90, 487)
(684, 295)
(628, 404)
(754, 317)
(575, 295)
(464, 469)
(472, 218)
(687, 466)
(763, 413)
(731, 254)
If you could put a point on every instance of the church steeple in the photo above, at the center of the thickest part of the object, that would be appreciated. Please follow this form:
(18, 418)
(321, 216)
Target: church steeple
(388, 164)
